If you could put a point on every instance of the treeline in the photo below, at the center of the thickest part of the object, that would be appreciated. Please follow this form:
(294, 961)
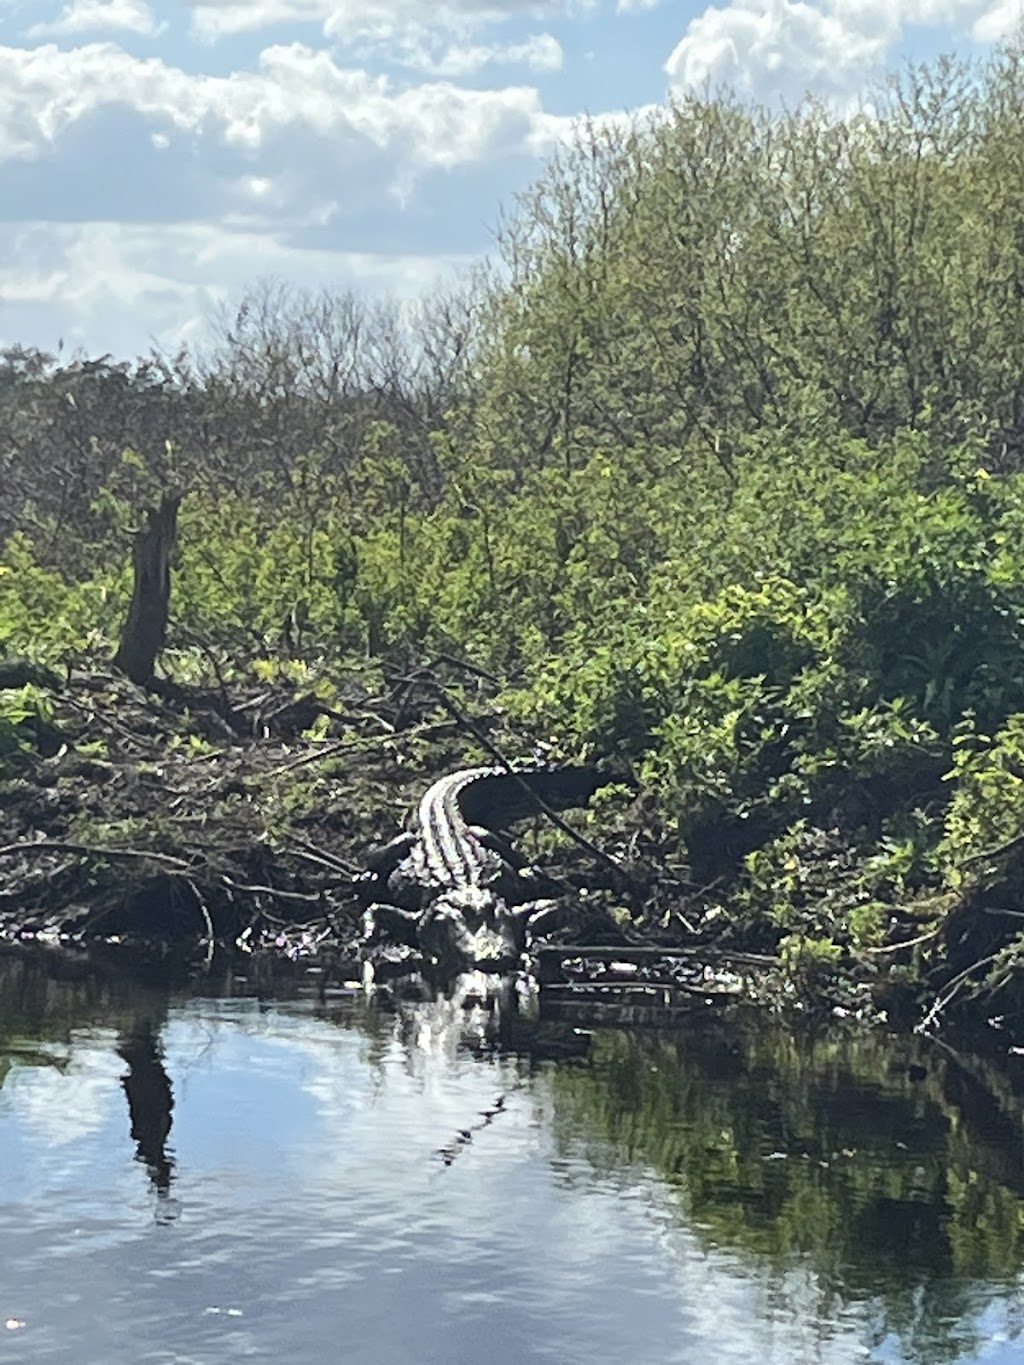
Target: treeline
(288, 377)
(720, 466)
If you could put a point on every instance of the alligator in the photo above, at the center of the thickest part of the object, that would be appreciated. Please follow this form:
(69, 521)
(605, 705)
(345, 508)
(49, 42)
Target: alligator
(453, 886)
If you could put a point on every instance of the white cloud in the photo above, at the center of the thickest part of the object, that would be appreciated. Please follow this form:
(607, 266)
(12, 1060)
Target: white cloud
(293, 163)
(539, 52)
(213, 19)
(349, 20)
(90, 16)
(292, 167)
(45, 90)
(768, 48)
(1001, 20)
(62, 1106)
(115, 286)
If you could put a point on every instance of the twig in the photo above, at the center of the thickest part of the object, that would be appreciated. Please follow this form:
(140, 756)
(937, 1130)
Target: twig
(326, 752)
(95, 850)
(466, 667)
(254, 703)
(311, 854)
(205, 912)
(952, 990)
(995, 852)
(210, 757)
(906, 943)
(366, 713)
(458, 715)
(246, 890)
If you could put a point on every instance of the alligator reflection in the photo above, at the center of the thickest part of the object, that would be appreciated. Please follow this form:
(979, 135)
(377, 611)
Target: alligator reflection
(480, 1013)
(476, 1012)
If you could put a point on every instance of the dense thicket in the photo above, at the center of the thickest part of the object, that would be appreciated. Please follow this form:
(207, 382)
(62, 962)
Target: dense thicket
(722, 469)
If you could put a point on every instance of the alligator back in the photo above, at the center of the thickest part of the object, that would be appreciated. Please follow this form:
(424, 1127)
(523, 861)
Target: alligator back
(451, 852)
(455, 881)
(451, 855)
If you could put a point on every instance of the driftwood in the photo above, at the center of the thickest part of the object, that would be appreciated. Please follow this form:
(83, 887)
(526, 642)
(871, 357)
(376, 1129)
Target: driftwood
(145, 629)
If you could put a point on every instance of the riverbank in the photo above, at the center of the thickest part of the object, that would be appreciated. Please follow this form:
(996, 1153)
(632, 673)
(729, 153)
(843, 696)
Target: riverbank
(180, 814)
(767, 560)
(182, 820)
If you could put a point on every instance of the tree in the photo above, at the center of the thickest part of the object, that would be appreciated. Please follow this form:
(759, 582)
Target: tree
(145, 630)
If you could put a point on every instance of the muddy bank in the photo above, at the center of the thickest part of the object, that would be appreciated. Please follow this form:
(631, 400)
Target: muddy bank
(184, 820)
(240, 817)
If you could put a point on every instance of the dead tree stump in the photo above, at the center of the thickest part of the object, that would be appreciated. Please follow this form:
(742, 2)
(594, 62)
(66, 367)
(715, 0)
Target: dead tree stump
(145, 629)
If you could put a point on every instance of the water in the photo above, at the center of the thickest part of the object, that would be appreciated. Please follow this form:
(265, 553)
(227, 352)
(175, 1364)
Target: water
(243, 1170)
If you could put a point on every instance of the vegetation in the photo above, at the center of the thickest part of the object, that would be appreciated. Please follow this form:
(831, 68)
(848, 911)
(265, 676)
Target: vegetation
(721, 472)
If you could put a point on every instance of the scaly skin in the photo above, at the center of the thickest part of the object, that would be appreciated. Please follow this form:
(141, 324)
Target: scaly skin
(450, 853)
(473, 906)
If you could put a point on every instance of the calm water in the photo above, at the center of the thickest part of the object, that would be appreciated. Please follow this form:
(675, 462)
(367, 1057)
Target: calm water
(240, 1171)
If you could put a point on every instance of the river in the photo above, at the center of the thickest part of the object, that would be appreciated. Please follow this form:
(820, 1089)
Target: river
(253, 1166)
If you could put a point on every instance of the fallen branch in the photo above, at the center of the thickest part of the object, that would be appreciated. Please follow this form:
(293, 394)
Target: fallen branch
(309, 853)
(96, 850)
(177, 865)
(951, 991)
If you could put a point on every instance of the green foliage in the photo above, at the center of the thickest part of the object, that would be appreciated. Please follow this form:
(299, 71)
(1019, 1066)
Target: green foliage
(723, 472)
(26, 724)
(47, 617)
(827, 892)
(986, 812)
(807, 961)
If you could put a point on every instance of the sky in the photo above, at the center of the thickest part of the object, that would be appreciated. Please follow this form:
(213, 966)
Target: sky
(157, 159)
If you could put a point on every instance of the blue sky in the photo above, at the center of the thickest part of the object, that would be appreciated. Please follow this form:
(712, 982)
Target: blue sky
(157, 158)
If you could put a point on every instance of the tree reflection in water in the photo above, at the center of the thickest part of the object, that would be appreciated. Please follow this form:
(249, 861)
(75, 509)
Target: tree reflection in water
(888, 1171)
(147, 1088)
(838, 1171)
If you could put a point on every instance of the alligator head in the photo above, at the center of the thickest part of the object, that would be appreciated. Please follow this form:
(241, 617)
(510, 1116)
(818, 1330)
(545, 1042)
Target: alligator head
(469, 926)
